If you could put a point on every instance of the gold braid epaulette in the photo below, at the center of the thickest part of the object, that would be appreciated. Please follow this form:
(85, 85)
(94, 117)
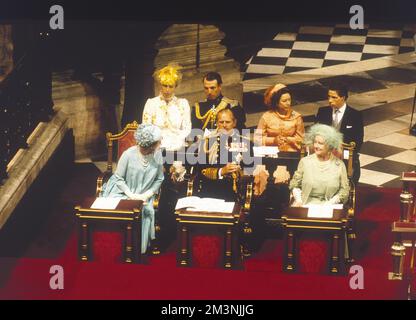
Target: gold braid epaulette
(198, 112)
(210, 173)
(210, 115)
(231, 102)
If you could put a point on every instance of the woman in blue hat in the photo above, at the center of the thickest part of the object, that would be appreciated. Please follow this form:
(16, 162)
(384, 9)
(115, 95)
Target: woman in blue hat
(138, 176)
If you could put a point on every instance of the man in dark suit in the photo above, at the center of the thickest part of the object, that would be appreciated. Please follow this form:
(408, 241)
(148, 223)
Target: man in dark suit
(346, 119)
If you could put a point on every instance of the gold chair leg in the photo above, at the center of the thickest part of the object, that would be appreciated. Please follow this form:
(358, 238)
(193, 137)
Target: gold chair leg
(84, 248)
(290, 252)
(247, 233)
(350, 242)
(155, 246)
(334, 265)
(228, 264)
(183, 250)
(128, 249)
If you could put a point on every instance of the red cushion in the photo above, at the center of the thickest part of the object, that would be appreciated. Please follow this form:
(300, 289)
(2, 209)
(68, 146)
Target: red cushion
(126, 142)
(206, 251)
(313, 256)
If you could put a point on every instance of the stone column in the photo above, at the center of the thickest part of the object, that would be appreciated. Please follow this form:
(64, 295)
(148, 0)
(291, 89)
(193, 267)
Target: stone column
(198, 49)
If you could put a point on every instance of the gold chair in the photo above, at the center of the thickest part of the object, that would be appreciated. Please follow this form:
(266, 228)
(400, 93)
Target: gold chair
(290, 160)
(347, 155)
(116, 145)
(341, 226)
(244, 190)
(240, 219)
(350, 206)
(127, 215)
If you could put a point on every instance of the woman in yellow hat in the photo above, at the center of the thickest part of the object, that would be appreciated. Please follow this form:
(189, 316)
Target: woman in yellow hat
(170, 113)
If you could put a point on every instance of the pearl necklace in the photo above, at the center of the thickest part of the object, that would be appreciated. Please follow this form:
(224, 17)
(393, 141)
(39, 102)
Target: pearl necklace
(145, 159)
(322, 164)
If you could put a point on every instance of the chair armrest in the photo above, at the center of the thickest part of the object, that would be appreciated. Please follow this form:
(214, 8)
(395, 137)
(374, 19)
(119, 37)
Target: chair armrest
(156, 200)
(102, 178)
(351, 201)
(190, 180)
(247, 182)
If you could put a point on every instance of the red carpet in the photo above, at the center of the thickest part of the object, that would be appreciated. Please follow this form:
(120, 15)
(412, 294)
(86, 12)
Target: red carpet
(27, 276)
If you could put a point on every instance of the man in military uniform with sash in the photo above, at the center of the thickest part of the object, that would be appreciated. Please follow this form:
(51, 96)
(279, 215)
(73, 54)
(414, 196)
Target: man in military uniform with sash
(204, 114)
(226, 153)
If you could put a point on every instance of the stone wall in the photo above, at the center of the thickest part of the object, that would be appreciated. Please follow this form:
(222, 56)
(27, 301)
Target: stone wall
(80, 101)
(6, 50)
(179, 44)
(84, 106)
(29, 163)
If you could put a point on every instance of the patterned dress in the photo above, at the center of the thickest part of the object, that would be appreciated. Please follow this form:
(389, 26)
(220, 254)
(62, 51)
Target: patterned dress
(173, 118)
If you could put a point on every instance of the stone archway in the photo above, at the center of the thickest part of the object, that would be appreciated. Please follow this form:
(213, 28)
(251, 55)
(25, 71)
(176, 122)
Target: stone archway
(198, 49)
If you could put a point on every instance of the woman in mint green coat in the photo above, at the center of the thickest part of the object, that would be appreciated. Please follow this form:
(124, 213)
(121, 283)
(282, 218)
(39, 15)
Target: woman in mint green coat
(321, 177)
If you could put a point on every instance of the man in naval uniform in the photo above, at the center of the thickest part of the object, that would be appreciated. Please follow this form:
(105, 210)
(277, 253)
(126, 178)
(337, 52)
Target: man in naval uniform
(226, 153)
(204, 114)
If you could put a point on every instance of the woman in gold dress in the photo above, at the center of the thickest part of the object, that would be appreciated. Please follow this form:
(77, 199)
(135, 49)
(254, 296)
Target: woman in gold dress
(280, 126)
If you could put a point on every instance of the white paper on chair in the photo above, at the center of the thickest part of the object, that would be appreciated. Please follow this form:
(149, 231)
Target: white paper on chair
(105, 203)
(204, 204)
(265, 151)
(346, 154)
(322, 210)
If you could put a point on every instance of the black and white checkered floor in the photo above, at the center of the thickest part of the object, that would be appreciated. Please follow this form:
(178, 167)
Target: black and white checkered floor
(311, 47)
(384, 159)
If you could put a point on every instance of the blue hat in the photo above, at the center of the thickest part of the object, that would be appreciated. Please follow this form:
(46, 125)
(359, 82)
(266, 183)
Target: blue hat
(147, 134)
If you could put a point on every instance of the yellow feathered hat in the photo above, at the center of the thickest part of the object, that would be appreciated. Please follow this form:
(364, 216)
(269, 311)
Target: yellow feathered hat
(169, 75)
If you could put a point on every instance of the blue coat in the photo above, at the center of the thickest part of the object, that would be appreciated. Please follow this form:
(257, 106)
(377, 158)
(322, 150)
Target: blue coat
(132, 175)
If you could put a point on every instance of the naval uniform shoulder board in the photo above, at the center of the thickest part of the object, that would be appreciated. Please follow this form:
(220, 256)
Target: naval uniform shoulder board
(231, 102)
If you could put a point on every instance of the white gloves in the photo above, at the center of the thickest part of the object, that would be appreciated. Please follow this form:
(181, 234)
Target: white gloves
(297, 194)
(177, 171)
(138, 197)
(333, 200)
(147, 195)
(142, 196)
(129, 194)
